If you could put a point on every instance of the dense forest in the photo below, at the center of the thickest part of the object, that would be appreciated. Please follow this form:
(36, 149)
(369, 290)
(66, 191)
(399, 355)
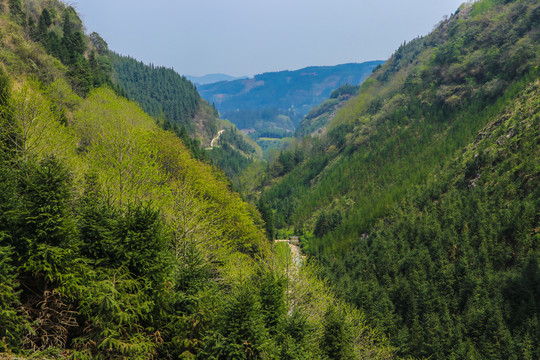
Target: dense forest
(115, 242)
(233, 153)
(178, 107)
(421, 198)
(415, 195)
(159, 90)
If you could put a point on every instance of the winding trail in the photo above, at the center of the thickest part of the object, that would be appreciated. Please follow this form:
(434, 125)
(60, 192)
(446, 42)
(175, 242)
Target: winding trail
(216, 138)
(297, 257)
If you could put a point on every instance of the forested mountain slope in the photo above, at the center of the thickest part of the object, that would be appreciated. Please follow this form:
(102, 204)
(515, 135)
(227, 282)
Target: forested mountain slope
(116, 243)
(161, 92)
(422, 200)
(177, 105)
(315, 121)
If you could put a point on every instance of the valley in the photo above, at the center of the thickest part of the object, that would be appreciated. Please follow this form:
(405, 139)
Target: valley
(377, 210)
(270, 106)
(420, 197)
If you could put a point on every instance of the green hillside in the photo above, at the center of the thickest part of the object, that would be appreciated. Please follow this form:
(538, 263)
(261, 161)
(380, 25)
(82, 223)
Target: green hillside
(160, 91)
(116, 243)
(177, 105)
(315, 121)
(421, 200)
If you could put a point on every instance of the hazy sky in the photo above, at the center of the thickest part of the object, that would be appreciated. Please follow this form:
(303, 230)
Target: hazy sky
(246, 37)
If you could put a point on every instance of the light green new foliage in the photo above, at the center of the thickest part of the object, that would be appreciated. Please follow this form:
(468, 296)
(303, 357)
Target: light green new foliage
(119, 150)
(35, 129)
(62, 96)
(480, 7)
(311, 298)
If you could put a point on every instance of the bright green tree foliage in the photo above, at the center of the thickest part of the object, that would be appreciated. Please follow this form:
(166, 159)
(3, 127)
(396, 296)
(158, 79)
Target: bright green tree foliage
(114, 241)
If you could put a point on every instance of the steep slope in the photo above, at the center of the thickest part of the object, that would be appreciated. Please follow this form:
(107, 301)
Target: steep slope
(421, 200)
(276, 102)
(116, 243)
(177, 105)
(315, 121)
(160, 91)
(453, 270)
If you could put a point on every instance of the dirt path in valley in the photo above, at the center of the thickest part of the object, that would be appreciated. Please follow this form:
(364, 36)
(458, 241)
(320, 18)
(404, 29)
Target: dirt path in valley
(216, 138)
(296, 252)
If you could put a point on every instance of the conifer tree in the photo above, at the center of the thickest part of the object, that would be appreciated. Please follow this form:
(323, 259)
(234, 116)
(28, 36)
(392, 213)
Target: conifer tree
(13, 324)
(17, 11)
(337, 338)
(241, 334)
(272, 295)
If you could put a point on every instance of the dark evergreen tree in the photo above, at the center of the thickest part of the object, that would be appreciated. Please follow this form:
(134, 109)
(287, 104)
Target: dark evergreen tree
(81, 75)
(46, 192)
(337, 339)
(13, 324)
(268, 218)
(293, 338)
(17, 11)
(242, 334)
(272, 297)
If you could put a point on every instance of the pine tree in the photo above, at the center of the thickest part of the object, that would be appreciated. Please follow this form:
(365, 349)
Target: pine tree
(272, 295)
(268, 218)
(46, 190)
(13, 324)
(242, 334)
(43, 26)
(337, 338)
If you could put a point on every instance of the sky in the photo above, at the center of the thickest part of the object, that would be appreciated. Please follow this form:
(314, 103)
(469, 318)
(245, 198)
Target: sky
(248, 37)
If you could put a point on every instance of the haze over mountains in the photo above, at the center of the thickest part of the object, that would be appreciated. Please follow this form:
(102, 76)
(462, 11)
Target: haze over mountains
(273, 104)
(212, 78)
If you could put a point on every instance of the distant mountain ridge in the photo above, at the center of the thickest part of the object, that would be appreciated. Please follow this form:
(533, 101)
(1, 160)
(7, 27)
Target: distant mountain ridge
(212, 78)
(275, 102)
